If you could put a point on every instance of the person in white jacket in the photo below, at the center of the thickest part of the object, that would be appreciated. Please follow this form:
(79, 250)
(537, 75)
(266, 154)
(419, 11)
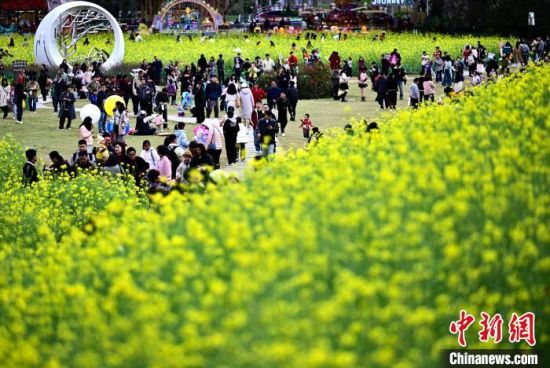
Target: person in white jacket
(247, 103)
(4, 97)
(243, 136)
(149, 154)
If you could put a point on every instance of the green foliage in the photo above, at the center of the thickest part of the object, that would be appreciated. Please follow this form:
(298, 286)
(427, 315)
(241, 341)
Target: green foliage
(313, 81)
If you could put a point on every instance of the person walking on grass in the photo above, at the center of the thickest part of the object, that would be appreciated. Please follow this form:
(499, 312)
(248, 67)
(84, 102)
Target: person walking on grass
(33, 89)
(19, 98)
(306, 126)
(213, 92)
(282, 112)
(4, 97)
(268, 128)
(414, 94)
(382, 89)
(243, 136)
(257, 114)
(391, 93)
(362, 83)
(429, 88)
(66, 108)
(121, 122)
(343, 86)
(400, 76)
(292, 96)
(230, 131)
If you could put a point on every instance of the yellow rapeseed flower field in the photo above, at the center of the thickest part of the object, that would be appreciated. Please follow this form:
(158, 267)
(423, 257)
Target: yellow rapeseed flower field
(166, 47)
(356, 253)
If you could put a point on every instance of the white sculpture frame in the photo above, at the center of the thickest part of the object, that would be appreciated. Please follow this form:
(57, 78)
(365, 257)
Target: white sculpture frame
(46, 48)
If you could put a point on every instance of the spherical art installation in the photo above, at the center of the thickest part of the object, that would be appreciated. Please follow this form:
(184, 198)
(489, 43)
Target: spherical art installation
(58, 34)
(110, 104)
(92, 111)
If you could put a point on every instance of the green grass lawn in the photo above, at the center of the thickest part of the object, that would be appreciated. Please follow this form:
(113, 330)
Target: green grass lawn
(40, 130)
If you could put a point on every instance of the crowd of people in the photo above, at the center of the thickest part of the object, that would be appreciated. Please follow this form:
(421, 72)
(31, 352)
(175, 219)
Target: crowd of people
(251, 114)
(230, 107)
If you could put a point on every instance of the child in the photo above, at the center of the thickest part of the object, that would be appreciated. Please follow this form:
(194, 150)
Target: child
(306, 125)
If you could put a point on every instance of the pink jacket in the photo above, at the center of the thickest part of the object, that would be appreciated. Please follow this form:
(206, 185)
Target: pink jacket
(429, 88)
(86, 135)
(164, 166)
(215, 137)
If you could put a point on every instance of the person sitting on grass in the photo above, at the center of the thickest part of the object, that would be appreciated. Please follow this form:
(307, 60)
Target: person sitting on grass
(316, 134)
(155, 184)
(184, 165)
(201, 163)
(137, 165)
(83, 163)
(82, 147)
(59, 164)
(30, 175)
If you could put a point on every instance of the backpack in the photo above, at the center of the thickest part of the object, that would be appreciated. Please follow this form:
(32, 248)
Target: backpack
(144, 93)
(171, 89)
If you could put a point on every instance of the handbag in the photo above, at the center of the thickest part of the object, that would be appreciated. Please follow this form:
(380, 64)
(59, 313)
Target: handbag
(212, 145)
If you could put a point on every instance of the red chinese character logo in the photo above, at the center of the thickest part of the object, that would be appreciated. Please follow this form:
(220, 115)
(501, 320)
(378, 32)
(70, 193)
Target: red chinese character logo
(461, 326)
(492, 327)
(522, 328)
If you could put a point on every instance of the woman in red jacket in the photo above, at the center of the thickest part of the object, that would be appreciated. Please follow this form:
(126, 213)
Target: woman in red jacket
(258, 93)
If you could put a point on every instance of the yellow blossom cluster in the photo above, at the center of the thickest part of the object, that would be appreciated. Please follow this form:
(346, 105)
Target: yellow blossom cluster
(409, 45)
(357, 253)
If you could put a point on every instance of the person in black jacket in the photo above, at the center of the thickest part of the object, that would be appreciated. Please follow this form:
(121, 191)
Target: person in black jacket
(213, 91)
(268, 128)
(201, 162)
(161, 100)
(19, 98)
(146, 94)
(200, 103)
(230, 131)
(202, 63)
(282, 109)
(66, 108)
(43, 81)
(391, 93)
(30, 175)
(292, 95)
(384, 61)
(59, 164)
(59, 86)
(171, 142)
(381, 89)
(138, 166)
(220, 65)
(283, 79)
(156, 66)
